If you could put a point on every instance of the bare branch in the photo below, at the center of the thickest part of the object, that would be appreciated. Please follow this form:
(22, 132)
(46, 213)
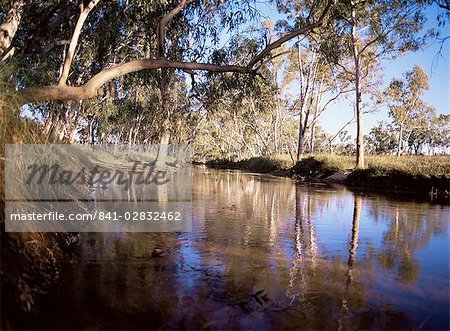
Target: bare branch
(399, 23)
(439, 53)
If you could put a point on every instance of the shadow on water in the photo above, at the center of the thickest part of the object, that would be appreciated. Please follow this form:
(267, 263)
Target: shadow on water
(265, 253)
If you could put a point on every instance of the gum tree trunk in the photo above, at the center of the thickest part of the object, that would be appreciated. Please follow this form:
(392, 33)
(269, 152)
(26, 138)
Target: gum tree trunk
(164, 133)
(301, 131)
(358, 101)
(10, 24)
(400, 140)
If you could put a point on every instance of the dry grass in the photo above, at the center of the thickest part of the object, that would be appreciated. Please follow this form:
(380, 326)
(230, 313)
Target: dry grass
(426, 166)
(29, 260)
(13, 129)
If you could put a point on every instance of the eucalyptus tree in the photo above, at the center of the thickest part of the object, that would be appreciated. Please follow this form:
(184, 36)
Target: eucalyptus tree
(440, 134)
(229, 15)
(443, 19)
(309, 72)
(240, 116)
(10, 24)
(381, 139)
(406, 107)
(363, 33)
(431, 131)
(104, 41)
(318, 87)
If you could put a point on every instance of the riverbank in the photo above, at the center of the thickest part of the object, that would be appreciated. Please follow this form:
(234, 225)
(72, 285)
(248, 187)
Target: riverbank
(31, 261)
(425, 176)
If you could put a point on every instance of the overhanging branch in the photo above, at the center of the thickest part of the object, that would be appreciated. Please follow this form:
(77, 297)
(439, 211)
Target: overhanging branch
(93, 87)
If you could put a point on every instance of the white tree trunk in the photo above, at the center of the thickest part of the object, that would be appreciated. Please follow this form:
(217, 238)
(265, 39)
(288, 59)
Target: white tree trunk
(10, 24)
(358, 99)
(164, 133)
(400, 141)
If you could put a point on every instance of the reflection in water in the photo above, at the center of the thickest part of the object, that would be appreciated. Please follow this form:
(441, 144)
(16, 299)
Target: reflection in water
(266, 253)
(344, 321)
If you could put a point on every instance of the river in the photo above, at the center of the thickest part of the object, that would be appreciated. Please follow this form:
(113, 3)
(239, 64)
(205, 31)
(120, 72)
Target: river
(265, 253)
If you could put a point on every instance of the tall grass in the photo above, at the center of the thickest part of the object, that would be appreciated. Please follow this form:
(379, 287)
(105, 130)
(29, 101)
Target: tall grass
(326, 164)
(29, 260)
(425, 166)
(13, 129)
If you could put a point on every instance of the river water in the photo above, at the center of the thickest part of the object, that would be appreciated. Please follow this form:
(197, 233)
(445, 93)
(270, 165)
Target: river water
(265, 253)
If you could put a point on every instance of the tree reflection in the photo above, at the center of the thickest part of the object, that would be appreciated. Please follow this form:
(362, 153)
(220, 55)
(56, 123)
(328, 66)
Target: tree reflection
(266, 253)
(304, 259)
(411, 228)
(343, 322)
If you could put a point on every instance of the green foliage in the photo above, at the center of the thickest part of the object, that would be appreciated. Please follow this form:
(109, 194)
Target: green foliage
(239, 111)
(416, 122)
(258, 164)
(427, 166)
(381, 139)
(266, 164)
(390, 26)
(232, 116)
(13, 129)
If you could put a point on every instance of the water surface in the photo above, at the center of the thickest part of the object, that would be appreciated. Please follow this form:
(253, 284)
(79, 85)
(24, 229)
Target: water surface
(266, 253)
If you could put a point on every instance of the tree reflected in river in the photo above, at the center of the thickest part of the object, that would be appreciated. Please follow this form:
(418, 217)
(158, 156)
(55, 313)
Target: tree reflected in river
(264, 253)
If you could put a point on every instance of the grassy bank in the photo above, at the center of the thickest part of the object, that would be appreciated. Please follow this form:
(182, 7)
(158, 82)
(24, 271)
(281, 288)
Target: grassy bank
(416, 174)
(31, 262)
